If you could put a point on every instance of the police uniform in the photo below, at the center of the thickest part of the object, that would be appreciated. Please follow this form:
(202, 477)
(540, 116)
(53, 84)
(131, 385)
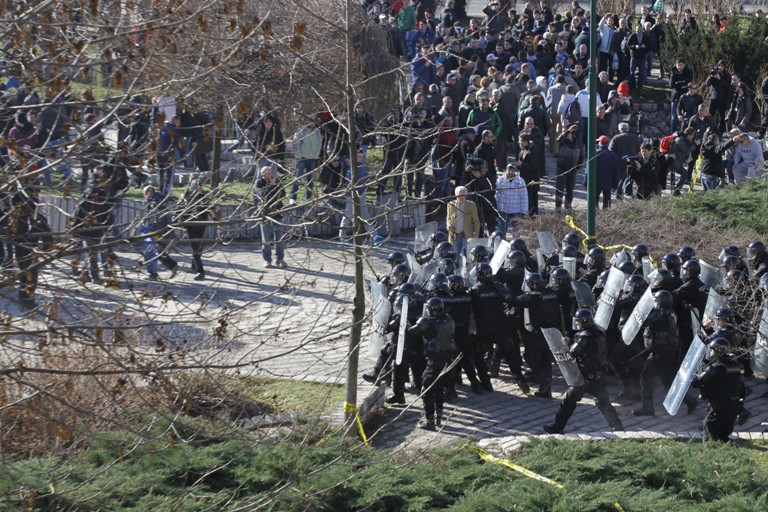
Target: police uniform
(722, 386)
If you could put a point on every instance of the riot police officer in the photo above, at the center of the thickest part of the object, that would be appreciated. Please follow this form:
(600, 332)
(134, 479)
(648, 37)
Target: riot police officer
(686, 253)
(595, 263)
(459, 306)
(434, 239)
(444, 250)
(437, 330)
(413, 355)
(513, 274)
(758, 259)
(589, 350)
(723, 388)
(488, 304)
(691, 295)
(518, 244)
(624, 358)
(673, 263)
(661, 341)
(544, 310)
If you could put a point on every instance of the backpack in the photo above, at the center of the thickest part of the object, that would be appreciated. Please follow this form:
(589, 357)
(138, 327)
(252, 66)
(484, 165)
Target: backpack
(572, 114)
(666, 144)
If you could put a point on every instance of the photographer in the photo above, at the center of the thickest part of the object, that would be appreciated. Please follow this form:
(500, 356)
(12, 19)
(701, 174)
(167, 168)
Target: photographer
(719, 82)
(644, 171)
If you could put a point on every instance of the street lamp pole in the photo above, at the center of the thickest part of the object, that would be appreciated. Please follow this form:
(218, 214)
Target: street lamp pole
(592, 126)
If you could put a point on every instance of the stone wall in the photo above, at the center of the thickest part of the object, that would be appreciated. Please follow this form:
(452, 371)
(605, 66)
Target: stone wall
(655, 119)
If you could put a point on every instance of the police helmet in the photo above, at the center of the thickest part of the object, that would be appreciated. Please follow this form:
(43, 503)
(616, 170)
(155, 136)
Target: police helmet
(437, 238)
(560, 278)
(595, 258)
(484, 272)
(732, 278)
(408, 289)
(446, 266)
(672, 262)
(732, 262)
(729, 250)
(518, 244)
(571, 238)
(755, 250)
(570, 251)
(628, 267)
(725, 314)
(663, 299)
(480, 254)
(690, 269)
(517, 259)
(686, 253)
(395, 258)
(456, 283)
(583, 319)
(662, 278)
(400, 274)
(435, 307)
(602, 278)
(443, 250)
(639, 252)
(535, 282)
(719, 346)
(634, 283)
(435, 280)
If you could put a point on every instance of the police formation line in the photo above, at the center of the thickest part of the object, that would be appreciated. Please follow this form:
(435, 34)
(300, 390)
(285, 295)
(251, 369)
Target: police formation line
(439, 317)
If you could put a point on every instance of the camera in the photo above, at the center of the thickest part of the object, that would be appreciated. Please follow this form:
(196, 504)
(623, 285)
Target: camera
(714, 71)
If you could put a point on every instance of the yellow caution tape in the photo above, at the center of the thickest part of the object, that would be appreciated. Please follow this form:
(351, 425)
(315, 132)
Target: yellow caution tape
(514, 467)
(618, 507)
(569, 220)
(352, 409)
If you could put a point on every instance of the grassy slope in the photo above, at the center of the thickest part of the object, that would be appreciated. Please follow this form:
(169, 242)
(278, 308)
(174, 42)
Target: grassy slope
(642, 476)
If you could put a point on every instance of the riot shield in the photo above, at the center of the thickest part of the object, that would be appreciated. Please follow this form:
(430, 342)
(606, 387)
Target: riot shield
(607, 300)
(710, 276)
(547, 243)
(494, 242)
(619, 258)
(464, 266)
(471, 244)
(760, 354)
(421, 236)
(648, 268)
(401, 331)
(426, 272)
(416, 270)
(380, 310)
(684, 377)
(541, 259)
(584, 296)
(637, 319)
(715, 301)
(500, 255)
(569, 264)
(563, 357)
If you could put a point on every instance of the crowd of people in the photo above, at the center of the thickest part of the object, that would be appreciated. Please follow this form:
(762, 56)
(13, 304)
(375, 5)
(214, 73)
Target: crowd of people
(463, 322)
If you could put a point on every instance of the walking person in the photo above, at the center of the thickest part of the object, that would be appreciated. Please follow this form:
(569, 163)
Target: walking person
(269, 199)
(195, 210)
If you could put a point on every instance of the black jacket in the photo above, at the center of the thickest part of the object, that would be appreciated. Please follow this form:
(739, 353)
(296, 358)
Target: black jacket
(712, 158)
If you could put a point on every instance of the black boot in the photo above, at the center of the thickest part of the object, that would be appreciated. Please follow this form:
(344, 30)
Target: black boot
(427, 423)
(439, 417)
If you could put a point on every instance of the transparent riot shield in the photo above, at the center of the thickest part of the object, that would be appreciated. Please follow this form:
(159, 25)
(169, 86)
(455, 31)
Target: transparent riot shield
(380, 310)
(584, 296)
(541, 259)
(569, 264)
(715, 301)
(471, 244)
(464, 266)
(607, 300)
(421, 236)
(711, 276)
(648, 268)
(547, 243)
(637, 318)
(426, 272)
(619, 258)
(416, 270)
(563, 357)
(684, 377)
(401, 331)
(760, 353)
(494, 242)
(502, 251)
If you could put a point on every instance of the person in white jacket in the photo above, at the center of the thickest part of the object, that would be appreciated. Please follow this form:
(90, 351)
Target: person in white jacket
(748, 161)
